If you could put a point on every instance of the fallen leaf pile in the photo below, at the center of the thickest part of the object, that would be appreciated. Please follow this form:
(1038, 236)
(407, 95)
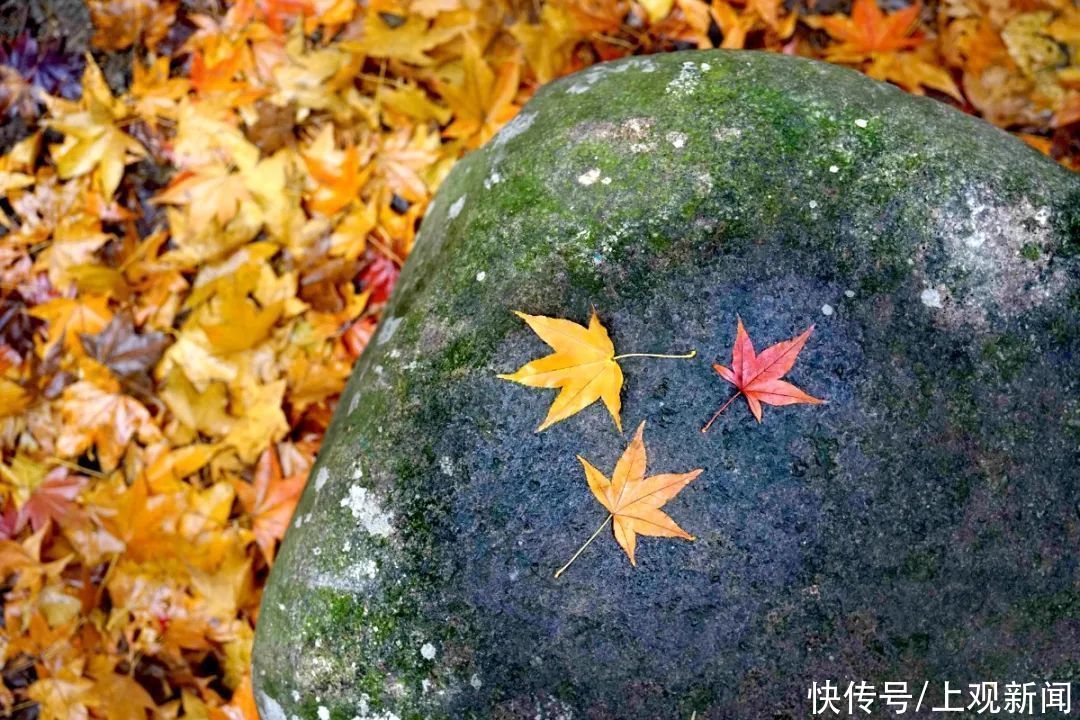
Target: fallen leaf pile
(263, 164)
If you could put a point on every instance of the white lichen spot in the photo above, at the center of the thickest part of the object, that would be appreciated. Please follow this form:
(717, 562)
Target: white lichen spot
(706, 67)
(387, 329)
(481, 276)
(492, 180)
(427, 651)
(446, 465)
(834, 168)
(299, 521)
(727, 133)
(320, 478)
(931, 298)
(363, 706)
(686, 81)
(812, 204)
(269, 708)
(589, 177)
(366, 508)
(985, 239)
(605, 181)
(676, 138)
(586, 80)
(323, 712)
(861, 122)
(425, 686)
(456, 208)
(475, 682)
(827, 310)
(367, 568)
(296, 696)
(520, 123)
(849, 294)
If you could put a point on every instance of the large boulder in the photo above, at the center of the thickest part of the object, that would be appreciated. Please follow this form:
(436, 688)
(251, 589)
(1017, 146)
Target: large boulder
(921, 525)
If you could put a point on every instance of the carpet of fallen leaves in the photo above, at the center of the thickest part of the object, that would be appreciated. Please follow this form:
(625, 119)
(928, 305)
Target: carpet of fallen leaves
(195, 251)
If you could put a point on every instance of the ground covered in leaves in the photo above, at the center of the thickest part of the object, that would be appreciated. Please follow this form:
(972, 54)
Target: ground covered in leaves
(205, 205)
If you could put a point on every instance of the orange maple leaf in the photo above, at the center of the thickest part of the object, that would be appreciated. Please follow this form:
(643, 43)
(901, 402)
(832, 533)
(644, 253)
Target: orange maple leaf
(869, 30)
(757, 377)
(633, 500)
(338, 175)
(270, 500)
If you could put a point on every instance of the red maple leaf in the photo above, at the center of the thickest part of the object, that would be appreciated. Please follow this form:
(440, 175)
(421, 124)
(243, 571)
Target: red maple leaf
(53, 499)
(379, 276)
(757, 377)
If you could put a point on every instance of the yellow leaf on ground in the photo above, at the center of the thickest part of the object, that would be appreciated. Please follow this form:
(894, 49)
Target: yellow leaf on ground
(634, 500)
(102, 418)
(262, 420)
(93, 141)
(583, 367)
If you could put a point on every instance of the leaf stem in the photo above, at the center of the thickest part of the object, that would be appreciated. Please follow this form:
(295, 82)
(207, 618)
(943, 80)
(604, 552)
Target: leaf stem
(581, 549)
(722, 409)
(685, 356)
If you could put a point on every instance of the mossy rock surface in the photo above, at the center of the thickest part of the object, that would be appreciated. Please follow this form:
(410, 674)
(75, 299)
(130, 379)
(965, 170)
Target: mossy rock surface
(923, 524)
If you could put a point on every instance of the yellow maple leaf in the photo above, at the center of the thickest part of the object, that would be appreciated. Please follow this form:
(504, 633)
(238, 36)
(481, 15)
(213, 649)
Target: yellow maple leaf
(548, 44)
(64, 697)
(199, 410)
(259, 404)
(155, 94)
(584, 367)
(70, 317)
(74, 242)
(411, 101)
(103, 418)
(314, 79)
(408, 39)
(657, 10)
(17, 165)
(482, 100)
(93, 142)
(912, 71)
(633, 500)
(13, 398)
(212, 191)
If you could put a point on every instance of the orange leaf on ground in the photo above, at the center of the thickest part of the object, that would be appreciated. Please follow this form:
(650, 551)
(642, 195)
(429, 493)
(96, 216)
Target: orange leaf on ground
(869, 30)
(270, 500)
(634, 500)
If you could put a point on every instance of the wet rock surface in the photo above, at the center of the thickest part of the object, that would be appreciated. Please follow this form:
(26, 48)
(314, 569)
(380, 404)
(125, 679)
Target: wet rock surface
(921, 525)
